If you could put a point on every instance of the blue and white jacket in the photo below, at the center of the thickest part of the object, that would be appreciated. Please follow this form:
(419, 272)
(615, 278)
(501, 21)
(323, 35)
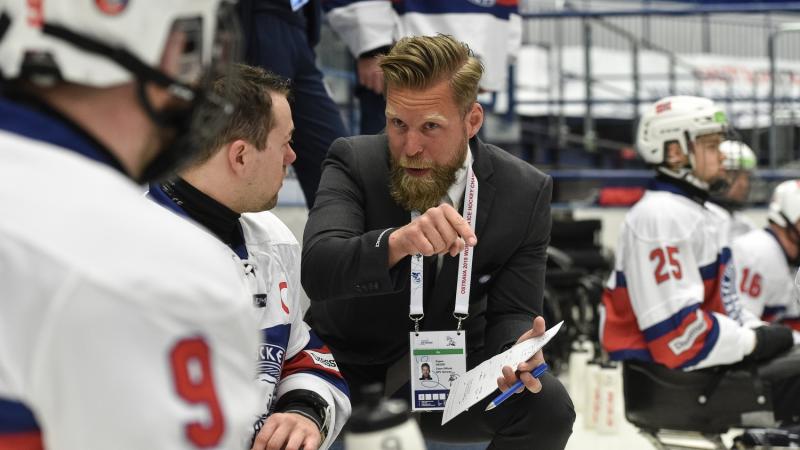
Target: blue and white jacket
(491, 28)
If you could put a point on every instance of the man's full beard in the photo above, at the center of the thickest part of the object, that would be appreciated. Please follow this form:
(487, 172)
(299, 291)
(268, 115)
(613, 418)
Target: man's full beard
(421, 193)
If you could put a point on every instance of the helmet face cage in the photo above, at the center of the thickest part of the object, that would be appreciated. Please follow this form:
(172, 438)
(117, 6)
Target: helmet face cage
(195, 125)
(738, 156)
(733, 190)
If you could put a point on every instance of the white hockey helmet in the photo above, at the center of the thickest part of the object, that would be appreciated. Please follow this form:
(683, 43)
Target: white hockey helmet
(738, 156)
(785, 203)
(103, 43)
(678, 118)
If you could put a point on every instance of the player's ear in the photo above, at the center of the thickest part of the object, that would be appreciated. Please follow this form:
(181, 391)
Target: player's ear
(474, 119)
(238, 155)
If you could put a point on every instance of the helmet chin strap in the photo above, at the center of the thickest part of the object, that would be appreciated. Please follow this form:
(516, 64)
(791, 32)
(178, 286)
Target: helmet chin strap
(187, 129)
(685, 174)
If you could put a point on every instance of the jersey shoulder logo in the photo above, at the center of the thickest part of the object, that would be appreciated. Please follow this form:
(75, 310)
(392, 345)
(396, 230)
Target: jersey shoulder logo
(323, 359)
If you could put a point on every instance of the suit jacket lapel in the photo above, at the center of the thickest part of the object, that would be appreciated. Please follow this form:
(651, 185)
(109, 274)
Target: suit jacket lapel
(482, 166)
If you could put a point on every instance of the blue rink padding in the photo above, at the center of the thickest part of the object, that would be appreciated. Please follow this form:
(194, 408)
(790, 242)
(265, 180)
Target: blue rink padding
(646, 175)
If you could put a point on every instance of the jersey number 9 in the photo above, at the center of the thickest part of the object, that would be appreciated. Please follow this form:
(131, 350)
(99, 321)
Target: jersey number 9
(194, 382)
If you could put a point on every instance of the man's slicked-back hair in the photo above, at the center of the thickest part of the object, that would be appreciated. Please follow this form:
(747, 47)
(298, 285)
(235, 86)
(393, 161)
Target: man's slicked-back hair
(419, 62)
(248, 88)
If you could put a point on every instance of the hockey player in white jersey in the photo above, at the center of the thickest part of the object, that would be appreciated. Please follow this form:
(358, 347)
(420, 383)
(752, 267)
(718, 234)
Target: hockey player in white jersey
(671, 298)
(120, 327)
(228, 190)
(767, 260)
(730, 194)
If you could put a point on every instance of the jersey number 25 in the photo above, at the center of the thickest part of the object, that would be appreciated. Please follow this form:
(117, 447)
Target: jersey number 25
(662, 256)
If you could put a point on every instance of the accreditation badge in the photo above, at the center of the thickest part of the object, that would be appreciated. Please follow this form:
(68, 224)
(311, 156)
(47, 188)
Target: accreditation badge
(438, 359)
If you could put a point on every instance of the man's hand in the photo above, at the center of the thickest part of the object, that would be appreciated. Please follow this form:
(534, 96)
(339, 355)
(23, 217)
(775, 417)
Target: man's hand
(510, 377)
(439, 230)
(370, 74)
(288, 431)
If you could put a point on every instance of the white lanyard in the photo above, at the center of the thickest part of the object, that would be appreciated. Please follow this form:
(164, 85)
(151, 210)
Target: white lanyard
(461, 311)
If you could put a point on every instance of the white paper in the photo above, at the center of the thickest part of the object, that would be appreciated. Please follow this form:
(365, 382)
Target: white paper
(482, 380)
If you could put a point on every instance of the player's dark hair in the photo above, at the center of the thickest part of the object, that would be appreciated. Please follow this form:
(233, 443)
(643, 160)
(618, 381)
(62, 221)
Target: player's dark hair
(248, 88)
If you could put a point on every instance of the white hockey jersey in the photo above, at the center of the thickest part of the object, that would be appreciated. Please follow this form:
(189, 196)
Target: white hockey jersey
(120, 327)
(764, 279)
(672, 297)
(290, 355)
(735, 223)
(493, 30)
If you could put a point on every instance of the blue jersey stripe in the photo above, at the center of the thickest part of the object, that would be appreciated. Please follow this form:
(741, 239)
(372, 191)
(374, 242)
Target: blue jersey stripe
(328, 5)
(16, 418)
(314, 342)
(711, 271)
(622, 282)
(708, 344)
(623, 355)
(773, 310)
(436, 7)
(42, 126)
(156, 194)
(669, 324)
(451, 6)
(277, 335)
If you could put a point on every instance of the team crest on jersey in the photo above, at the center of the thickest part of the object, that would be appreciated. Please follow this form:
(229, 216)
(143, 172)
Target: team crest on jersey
(270, 361)
(111, 7)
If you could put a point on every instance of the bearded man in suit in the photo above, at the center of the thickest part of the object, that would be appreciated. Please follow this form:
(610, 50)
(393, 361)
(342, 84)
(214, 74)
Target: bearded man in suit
(415, 198)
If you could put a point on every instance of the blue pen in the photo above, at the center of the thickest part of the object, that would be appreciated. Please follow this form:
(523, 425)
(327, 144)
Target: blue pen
(536, 372)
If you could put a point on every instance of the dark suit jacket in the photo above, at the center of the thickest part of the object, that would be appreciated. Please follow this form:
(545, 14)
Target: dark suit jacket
(359, 306)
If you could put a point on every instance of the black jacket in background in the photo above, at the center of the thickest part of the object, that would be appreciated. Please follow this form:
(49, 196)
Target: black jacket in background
(309, 17)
